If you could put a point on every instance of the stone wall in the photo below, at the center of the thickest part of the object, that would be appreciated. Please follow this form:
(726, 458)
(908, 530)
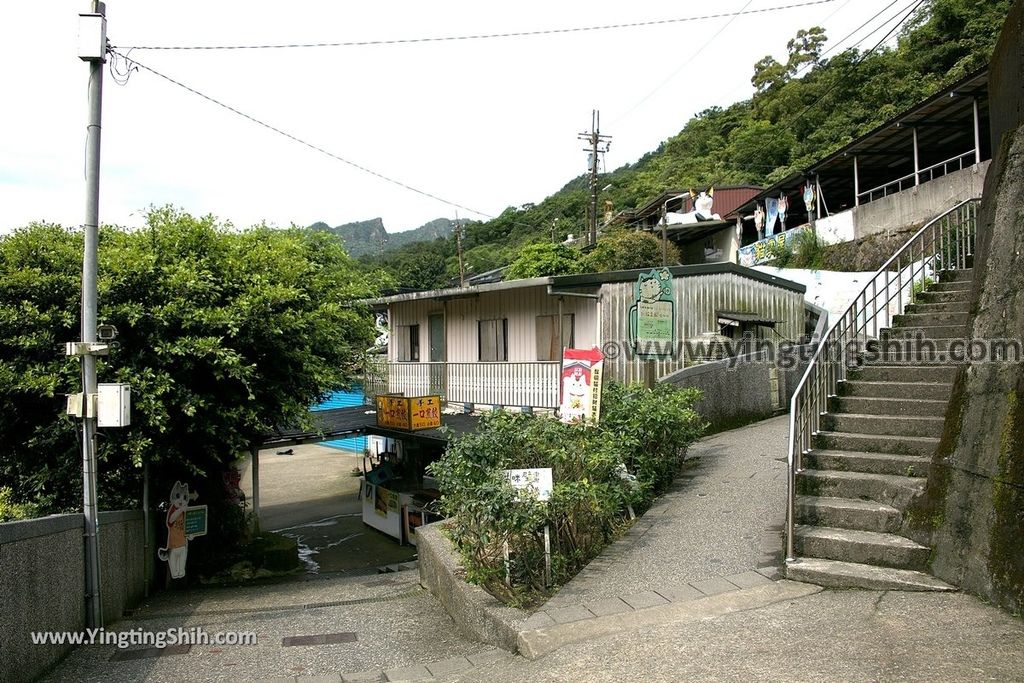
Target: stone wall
(974, 505)
(976, 486)
(1006, 74)
(42, 581)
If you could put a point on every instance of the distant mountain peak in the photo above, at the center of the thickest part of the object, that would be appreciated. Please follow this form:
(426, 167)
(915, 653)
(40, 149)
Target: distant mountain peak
(370, 236)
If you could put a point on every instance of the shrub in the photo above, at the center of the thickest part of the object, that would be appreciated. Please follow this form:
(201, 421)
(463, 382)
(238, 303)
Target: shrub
(599, 473)
(627, 250)
(543, 259)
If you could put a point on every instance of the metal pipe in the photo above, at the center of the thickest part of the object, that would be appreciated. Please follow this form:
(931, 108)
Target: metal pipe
(917, 164)
(977, 133)
(552, 292)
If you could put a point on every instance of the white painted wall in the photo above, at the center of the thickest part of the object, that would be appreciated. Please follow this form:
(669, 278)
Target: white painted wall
(520, 306)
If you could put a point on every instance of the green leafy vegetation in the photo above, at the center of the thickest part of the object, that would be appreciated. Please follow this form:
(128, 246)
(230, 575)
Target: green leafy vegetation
(802, 110)
(223, 336)
(626, 250)
(544, 258)
(600, 472)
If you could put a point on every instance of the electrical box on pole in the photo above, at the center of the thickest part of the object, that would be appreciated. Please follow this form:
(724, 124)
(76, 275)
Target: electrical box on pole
(92, 37)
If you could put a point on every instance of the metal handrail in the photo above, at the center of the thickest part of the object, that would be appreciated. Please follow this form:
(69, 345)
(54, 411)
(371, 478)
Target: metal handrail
(917, 176)
(944, 243)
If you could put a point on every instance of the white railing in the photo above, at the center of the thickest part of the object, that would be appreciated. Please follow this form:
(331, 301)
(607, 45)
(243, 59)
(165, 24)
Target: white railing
(923, 175)
(531, 384)
(945, 243)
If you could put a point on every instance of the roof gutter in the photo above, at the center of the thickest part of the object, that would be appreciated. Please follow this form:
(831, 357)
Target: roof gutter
(584, 295)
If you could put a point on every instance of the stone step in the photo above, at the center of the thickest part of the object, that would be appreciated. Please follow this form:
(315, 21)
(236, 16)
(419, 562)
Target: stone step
(847, 513)
(866, 405)
(862, 547)
(940, 307)
(955, 286)
(889, 489)
(890, 425)
(835, 574)
(931, 319)
(905, 372)
(944, 297)
(925, 332)
(903, 343)
(873, 463)
(963, 275)
(918, 355)
(927, 390)
(877, 443)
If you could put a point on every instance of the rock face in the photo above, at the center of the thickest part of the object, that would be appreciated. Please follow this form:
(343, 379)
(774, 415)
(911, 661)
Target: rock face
(974, 507)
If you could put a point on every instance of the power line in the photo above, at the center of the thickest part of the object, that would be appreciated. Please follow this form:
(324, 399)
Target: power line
(681, 66)
(135, 64)
(482, 36)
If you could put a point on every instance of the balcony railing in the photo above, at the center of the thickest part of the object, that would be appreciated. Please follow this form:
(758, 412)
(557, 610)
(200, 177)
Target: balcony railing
(532, 385)
(957, 163)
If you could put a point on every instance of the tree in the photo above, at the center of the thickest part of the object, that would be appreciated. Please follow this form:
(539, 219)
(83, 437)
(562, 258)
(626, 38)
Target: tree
(223, 336)
(626, 250)
(545, 258)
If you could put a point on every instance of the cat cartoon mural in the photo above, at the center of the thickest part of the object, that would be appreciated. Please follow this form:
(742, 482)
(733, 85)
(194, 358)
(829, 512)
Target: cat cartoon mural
(176, 552)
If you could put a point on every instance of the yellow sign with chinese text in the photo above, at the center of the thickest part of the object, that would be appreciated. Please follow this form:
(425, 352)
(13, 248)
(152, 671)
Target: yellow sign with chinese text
(410, 413)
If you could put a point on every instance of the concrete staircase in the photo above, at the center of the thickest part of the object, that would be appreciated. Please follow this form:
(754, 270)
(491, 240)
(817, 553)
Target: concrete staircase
(871, 457)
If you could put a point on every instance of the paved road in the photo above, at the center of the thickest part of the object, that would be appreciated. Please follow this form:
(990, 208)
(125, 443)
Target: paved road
(722, 518)
(312, 496)
(829, 637)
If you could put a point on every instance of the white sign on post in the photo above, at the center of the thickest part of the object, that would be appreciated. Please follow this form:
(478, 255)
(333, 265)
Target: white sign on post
(536, 482)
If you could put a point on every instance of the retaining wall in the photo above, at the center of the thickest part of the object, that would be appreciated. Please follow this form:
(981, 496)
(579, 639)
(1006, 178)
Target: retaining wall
(42, 581)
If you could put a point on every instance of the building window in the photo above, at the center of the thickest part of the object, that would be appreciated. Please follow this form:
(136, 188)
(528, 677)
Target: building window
(548, 347)
(493, 339)
(409, 343)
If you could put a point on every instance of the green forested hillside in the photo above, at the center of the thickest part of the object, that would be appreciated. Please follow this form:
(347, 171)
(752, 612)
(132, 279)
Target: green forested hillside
(802, 110)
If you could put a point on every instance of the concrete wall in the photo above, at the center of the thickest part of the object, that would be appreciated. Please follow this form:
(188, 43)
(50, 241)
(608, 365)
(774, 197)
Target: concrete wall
(735, 392)
(42, 581)
(1006, 73)
(920, 204)
(973, 510)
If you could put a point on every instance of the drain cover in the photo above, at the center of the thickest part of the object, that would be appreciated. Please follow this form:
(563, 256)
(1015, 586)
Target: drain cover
(320, 639)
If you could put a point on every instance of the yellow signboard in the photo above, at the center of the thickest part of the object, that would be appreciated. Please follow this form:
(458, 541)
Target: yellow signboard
(409, 412)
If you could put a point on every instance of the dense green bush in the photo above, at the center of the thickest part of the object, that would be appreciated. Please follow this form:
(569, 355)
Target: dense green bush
(600, 473)
(627, 250)
(543, 259)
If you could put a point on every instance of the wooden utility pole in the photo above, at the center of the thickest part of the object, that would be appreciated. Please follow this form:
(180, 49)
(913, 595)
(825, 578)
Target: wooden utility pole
(458, 247)
(599, 144)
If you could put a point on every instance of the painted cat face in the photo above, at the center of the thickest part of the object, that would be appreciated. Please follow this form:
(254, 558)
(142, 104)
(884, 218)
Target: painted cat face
(650, 289)
(179, 494)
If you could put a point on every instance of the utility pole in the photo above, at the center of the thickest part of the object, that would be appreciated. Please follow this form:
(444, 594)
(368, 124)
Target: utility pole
(92, 45)
(599, 144)
(458, 247)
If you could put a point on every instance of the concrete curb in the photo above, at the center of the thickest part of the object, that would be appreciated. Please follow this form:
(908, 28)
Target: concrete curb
(478, 614)
(538, 642)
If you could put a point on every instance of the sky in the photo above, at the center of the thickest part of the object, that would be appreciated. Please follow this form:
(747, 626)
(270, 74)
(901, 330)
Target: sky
(483, 124)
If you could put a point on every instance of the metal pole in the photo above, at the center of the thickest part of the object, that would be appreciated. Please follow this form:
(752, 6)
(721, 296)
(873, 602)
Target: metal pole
(255, 471)
(93, 608)
(856, 183)
(148, 543)
(917, 163)
(977, 133)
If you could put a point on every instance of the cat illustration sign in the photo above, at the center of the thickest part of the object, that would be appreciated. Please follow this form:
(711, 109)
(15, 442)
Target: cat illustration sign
(652, 317)
(183, 524)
